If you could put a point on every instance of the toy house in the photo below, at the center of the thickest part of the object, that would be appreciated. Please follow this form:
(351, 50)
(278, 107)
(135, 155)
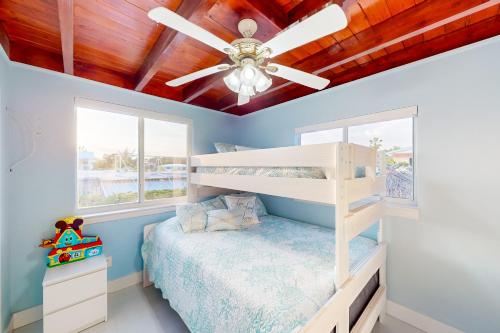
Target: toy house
(69, 245)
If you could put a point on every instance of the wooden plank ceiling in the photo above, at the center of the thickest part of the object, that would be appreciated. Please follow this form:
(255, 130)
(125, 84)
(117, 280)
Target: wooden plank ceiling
(113, 41)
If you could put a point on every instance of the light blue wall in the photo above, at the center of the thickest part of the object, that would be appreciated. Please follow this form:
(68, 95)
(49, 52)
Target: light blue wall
(42, 189)
(4, 308)
(446, 265)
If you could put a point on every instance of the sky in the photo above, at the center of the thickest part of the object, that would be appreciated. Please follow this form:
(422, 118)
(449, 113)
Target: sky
(393, 133)
(108, 133)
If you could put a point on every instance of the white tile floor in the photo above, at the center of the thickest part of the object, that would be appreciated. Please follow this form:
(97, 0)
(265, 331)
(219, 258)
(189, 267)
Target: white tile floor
(135, 309)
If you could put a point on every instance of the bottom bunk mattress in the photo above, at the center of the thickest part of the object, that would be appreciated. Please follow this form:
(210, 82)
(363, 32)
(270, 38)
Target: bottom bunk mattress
(271, 277)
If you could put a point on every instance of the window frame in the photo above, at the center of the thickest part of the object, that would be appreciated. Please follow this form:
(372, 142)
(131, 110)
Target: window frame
(395, 114)
(156, 205)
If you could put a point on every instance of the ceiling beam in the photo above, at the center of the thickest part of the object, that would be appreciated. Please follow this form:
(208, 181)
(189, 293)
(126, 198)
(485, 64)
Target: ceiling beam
(424, 17)
(167, 41)
(65, 9)
(4, 40)
(467, 35)
(201, 86)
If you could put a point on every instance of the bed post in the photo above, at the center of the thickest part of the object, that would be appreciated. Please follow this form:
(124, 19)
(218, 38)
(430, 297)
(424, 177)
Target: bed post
(381, 239)
(342, 171)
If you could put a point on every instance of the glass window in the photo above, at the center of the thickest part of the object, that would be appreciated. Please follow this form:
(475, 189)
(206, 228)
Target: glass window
(326, 136)
(395, 139)
(107, 158)
(165, 159)
(109, 172)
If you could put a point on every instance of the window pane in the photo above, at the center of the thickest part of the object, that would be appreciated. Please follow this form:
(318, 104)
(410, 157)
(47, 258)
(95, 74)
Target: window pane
(395, 138)
(107, 158)
(327, 136)
(165, 157)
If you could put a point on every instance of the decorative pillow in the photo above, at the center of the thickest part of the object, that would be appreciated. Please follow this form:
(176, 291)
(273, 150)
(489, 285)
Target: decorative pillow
(242, 148)
(247, 204)
(260, 208)
(223, 219)
(215, 203)
(191, 217)
(224, 147)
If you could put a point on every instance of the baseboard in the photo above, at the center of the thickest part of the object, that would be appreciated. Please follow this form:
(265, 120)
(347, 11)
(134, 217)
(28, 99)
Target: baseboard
(418, 320)
(31, 315)
(26, 317)
(124, 282)
(10, 327)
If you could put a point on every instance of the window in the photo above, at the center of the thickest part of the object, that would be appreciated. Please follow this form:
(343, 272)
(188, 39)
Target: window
(391, 132)
(326, 136)
(129, 158)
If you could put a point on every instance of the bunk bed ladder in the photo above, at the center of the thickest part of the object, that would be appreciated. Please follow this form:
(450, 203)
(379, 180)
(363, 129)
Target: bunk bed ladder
(342, 172)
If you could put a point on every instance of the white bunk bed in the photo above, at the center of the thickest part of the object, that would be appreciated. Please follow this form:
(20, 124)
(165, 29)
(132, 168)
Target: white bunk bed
(340, 187)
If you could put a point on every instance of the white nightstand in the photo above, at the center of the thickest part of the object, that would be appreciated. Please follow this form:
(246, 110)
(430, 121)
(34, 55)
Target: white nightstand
(75, 296)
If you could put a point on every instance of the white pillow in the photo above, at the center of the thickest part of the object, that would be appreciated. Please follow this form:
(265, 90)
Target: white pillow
(223, 219)
(247, 204)
(192, 217)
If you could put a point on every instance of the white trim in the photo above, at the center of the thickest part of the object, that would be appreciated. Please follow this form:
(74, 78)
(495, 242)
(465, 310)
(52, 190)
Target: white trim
(27, 316)
(34, 314)
(418, 320)
(131, 111)
(142, 207)
(124, 282)
(346, 123)
(407, 211)
(405, 112)
(127, 213)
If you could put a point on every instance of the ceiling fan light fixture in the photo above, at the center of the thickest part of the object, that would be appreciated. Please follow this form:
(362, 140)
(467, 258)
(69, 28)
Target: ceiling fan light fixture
(248, 74)
(262, 81)
(247, 90)
(232, 80)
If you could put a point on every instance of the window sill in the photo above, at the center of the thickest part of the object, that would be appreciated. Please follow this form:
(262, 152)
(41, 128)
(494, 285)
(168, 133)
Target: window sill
(407, 211)
(127, 213)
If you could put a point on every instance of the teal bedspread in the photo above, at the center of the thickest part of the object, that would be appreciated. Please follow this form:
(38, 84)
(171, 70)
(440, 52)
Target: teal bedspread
(271, 277)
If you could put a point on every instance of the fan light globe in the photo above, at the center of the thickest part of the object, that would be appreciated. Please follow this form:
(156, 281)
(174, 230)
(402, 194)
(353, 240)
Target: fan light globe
(262, 82)
(248, 74)
(232, 81)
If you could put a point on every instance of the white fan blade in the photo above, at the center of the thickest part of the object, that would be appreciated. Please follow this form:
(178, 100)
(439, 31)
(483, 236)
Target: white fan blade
(179, 23)
(243, 99)
(292, 74)
(320, 24)
(196, 75)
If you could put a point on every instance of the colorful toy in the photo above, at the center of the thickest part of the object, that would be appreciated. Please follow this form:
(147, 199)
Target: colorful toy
(69, 245)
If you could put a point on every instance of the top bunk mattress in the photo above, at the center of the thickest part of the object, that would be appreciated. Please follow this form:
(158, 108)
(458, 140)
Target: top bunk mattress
(271, 277)
(290, 172)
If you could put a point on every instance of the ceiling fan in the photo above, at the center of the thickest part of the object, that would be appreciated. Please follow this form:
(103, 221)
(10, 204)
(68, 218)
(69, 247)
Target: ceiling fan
(251, 66)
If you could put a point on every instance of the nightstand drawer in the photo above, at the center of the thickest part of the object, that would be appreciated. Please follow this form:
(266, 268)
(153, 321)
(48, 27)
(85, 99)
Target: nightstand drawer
(70, 292)
(77, 317)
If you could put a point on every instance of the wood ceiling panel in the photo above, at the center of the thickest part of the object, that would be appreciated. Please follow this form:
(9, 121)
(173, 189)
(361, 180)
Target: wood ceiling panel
(484, 14)
(397, 6)
(116, 28)
(376, 10)
(32, 22)
(29, 54)
(479, 31)
(116, 43)
(356, 18)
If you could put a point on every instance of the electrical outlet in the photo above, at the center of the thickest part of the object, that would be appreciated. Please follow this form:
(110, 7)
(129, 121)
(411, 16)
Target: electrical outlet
(109, 260)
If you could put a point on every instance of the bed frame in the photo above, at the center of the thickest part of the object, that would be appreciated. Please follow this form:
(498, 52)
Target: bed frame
(340, 188)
